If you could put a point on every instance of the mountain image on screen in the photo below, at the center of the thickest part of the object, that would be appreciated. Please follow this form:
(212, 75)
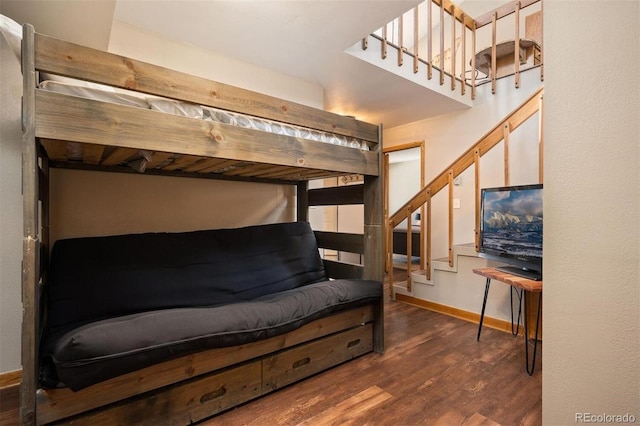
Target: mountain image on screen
(512, 222)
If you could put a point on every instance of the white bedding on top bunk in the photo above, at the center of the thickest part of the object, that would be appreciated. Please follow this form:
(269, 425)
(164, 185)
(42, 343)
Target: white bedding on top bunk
(88, 92)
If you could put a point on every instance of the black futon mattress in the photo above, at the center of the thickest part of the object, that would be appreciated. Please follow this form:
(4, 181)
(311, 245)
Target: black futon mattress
(120, 303)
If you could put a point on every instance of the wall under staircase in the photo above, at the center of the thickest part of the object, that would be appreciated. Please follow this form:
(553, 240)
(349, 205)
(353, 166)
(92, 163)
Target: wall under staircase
(438, 99)
(457, 291)
(456, 288)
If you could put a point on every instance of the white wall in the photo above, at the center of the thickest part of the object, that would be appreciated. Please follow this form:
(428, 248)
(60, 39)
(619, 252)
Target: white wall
(591, 314)
(86, 203)
(84, 22)
(404, 179)
(10, 209)
(130, 41)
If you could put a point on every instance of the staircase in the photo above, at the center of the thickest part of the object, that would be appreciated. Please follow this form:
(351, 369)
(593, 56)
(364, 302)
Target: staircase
(445, 180)
(438, 46)
(441, 278)
(442, 264)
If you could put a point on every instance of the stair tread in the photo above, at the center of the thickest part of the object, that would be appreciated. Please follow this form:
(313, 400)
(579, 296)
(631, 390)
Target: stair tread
(466, 245)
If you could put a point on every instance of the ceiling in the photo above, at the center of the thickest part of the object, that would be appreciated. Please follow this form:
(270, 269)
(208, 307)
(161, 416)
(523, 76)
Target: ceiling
(302, 38)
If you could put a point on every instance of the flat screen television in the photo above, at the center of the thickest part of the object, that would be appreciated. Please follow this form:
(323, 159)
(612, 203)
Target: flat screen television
(511, 228)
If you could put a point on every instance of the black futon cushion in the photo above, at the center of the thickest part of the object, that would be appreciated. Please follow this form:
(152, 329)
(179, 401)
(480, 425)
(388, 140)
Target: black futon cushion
(96, 278)
(108, 348)
(120, 303)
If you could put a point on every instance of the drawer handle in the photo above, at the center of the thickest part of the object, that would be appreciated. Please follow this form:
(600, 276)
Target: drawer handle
(301, 362)
(218, 393)
(353, 343)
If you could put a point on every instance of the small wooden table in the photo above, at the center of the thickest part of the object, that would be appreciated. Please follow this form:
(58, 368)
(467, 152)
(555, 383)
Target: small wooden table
(526, 284)
(504, 57)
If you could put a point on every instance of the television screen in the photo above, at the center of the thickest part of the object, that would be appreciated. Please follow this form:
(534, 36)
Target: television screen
(511, 228)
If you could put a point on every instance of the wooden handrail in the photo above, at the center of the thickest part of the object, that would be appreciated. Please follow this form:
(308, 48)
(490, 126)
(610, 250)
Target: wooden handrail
(458, 13)
(502, 11)
(484, 144)
(470, 157)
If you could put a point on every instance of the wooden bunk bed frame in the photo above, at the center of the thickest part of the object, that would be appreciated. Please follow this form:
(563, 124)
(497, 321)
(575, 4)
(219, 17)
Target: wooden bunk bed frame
(110, 133)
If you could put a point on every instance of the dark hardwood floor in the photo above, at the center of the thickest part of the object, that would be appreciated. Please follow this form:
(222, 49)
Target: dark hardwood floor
(433, 372)
(9, 405)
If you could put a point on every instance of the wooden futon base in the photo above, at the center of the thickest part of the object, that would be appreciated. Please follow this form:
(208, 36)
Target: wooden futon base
(200, 385)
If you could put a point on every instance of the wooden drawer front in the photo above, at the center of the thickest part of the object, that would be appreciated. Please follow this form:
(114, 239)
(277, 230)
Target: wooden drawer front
(56, 404)
(292, 365)
(183, 403)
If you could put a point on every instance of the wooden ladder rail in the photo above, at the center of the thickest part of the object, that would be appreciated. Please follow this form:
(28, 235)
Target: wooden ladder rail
(470, 157)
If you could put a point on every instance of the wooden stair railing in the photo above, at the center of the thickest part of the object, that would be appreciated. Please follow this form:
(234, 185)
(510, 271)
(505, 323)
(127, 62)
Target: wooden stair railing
(471, 156)
(462, 27)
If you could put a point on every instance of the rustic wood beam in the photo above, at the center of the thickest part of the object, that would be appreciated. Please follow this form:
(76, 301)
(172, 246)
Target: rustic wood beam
(72, 60)
(31, 232)
(101, 123)
(337, 195)
(342, 241)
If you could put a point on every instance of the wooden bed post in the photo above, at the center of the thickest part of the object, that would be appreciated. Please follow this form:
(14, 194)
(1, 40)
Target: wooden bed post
(31, 244)
(302, 201)
(44, 197)
(374, 240)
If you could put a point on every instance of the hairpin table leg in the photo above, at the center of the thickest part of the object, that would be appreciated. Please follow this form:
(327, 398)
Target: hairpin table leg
(484, 305)
(526, 336)
(516, 329)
